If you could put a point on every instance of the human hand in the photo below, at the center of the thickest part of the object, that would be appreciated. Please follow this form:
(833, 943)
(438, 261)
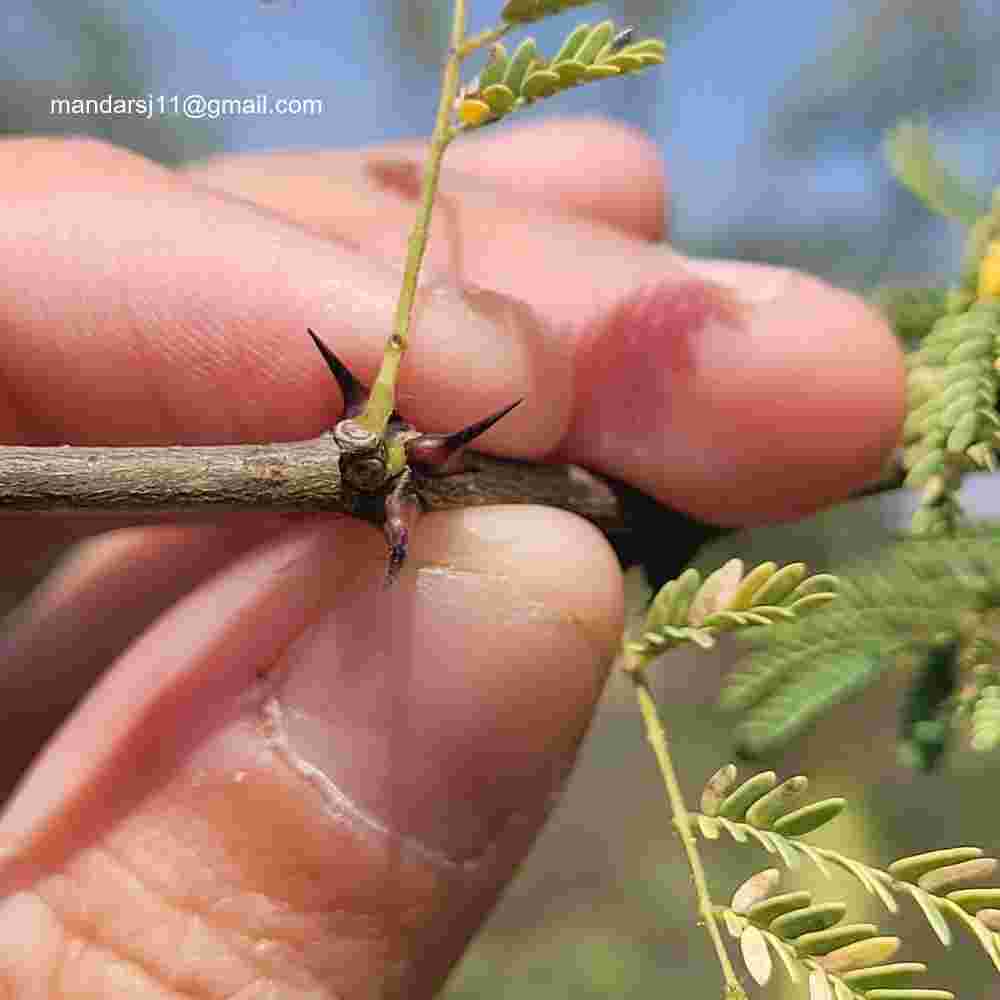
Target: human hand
(290, 782)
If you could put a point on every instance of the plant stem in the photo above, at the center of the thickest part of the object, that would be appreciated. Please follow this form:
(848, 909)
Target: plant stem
(656, 734)
(204, 481)
(382, 399)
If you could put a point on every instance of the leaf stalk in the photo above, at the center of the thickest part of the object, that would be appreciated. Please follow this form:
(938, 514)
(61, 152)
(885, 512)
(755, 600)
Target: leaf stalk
(657, 737)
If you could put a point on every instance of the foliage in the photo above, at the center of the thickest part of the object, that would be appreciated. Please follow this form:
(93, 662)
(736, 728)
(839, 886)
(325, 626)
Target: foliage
(925, 604)
(838, 960)
(928, 604)
(931, 596)
(688, 610)
(589, 53)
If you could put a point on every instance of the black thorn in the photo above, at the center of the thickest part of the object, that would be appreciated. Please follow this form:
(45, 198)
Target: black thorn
(435, 450)
(461, 438)
(354, 393)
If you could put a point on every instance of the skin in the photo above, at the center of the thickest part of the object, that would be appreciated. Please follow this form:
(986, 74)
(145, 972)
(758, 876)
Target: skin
(281, 780)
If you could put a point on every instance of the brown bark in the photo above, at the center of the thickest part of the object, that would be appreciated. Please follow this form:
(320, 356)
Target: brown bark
(297, 476)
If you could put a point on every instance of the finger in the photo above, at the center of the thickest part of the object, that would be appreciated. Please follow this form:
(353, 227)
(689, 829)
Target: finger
(693, 377)
(596, 169)
(740, 393)
(108, 590)
(227, 369)
(293, 757)
(186, 322)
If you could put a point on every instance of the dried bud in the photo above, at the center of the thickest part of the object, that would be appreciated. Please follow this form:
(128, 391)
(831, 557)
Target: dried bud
(402, 508)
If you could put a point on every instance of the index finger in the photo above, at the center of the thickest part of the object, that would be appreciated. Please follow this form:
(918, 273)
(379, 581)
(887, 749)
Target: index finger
(643, 366)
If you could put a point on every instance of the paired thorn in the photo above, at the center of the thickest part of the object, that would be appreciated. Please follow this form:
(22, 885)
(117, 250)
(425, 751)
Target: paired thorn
(438, 454)
(431, 454)
(354, 393)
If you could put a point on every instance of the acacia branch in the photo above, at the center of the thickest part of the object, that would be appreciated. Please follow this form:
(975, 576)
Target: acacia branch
(283, 477)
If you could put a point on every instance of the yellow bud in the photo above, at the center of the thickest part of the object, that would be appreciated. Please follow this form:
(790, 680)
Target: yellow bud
(473, 112)
(989, 272)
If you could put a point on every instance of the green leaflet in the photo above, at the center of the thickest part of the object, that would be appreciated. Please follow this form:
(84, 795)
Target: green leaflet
(912, 312)
(834, 938)
(912, 867)
(908, 994)
(894, 975)
(670, 606)
(571, 45)
(600, 71)
(972, 900)
(570, 72)
(522, 58)
(525, 11)
(540, 83)
(809, 818)
(496, 68)
(776, 906)
(499, 97)
(596, 39)
(751, 583)
(808, 919)
(736, 804)
(916, 165)
(780, 585)
(625, 62)
(774, 803)
(986, 719)
(861, 952)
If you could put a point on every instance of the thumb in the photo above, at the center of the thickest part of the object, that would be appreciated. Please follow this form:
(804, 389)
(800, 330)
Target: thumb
(295, 781)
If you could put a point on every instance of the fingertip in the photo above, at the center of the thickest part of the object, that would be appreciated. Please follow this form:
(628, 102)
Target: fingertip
(558, 559)
(740, 393)
(592, 168)
(598, 168)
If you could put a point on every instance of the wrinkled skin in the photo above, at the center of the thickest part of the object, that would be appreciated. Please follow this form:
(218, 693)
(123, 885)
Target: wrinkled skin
(283, 781)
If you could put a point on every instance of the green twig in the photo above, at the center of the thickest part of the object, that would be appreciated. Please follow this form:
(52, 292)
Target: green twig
(656, 734)
(382, 399)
